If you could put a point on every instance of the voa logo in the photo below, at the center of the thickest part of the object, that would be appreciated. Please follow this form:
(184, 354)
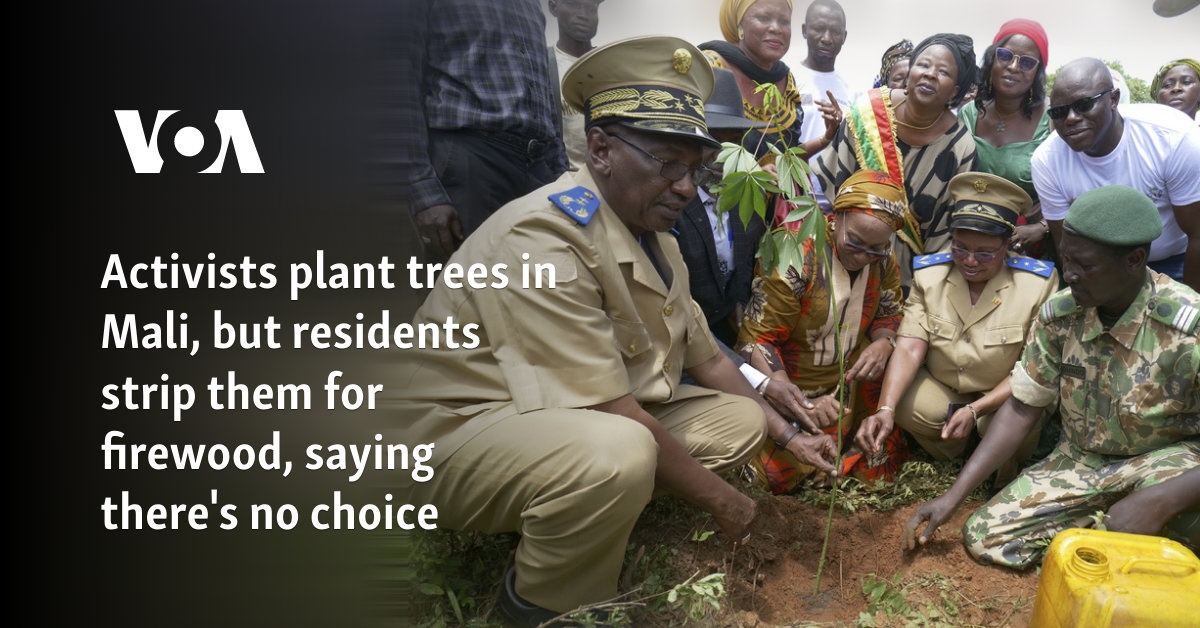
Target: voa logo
(186, 142)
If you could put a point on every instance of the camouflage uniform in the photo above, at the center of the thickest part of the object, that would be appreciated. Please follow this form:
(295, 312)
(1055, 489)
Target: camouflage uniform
(1130, 404)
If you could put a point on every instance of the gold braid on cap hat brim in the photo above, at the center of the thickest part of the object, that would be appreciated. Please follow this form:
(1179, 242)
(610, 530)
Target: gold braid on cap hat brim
(646, 103)
(985, 211)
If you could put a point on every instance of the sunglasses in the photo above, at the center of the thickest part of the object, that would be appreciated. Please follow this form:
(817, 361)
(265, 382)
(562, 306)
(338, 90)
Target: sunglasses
(672, 170)
(1081, 106)
(982, 257)
(1024, 63)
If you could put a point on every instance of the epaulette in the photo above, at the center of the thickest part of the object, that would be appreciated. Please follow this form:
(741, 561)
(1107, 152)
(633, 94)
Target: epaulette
(1174, 313)
(922, 261)
(578, 202)
(1036, 266)
(1059, 306)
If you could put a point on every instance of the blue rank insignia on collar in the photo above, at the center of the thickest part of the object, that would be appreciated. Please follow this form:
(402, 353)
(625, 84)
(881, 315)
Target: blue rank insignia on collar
(921, 261)
(1036, 266)
(578, 202)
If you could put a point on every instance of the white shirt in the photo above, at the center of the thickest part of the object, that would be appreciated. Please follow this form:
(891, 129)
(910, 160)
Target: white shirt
(574, 136)
(720, 229)
(812, 86)
(1159, 154)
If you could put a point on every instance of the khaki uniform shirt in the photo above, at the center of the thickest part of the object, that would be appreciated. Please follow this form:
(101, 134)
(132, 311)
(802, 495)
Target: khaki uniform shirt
(1124, 391)
(972, 349)
(610, 326)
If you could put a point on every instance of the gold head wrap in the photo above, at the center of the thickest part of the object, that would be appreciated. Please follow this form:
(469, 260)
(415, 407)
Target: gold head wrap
(873, 193)
(730, 17)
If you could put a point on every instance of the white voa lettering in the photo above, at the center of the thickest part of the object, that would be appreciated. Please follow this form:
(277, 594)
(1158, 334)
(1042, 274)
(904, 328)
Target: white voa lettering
(189, 140)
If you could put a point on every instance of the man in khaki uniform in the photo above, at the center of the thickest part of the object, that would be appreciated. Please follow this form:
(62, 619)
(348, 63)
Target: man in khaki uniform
(965, 323)
(567, 414)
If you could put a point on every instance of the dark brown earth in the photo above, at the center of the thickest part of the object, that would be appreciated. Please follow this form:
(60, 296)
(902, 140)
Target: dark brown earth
(770, 582)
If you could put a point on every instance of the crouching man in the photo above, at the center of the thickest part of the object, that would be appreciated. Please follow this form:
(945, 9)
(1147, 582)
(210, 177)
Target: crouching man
(1117, 352)
(568, 414)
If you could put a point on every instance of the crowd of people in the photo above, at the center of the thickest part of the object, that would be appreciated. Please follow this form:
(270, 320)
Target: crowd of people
(995, 254)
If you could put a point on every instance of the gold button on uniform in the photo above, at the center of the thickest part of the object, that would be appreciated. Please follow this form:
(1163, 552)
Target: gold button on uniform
(632, 347)
(667, 365)
(668, 310)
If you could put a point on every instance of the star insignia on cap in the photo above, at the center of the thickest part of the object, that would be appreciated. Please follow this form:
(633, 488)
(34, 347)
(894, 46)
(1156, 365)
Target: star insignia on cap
(681, 61)
(980, 185)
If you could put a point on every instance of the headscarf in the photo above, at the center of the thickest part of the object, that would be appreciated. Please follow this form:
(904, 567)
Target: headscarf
(1030, 29)
(730, 17)
(875, 194)
(1156, 84)
(897, 52)
(963, 50)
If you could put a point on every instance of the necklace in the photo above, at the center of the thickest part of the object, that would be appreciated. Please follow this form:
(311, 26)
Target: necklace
(915, 127)
(1000, 126)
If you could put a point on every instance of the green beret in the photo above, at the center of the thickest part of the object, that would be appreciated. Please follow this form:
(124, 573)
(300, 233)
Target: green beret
(1114, 214)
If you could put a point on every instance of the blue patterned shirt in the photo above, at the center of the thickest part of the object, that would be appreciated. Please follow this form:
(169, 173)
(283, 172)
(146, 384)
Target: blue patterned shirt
(472, 64)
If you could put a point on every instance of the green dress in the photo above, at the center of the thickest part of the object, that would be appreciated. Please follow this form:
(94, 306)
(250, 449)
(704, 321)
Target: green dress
(1011, 161)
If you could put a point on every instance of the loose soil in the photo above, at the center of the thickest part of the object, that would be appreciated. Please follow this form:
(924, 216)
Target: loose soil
(770, 581)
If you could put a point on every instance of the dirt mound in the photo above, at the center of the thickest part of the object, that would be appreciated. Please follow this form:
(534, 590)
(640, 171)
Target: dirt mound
(867, 577)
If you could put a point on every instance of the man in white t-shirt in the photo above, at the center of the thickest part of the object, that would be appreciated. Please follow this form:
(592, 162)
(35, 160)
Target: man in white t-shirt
(824, 31)
(577, 24)
(1152, 148)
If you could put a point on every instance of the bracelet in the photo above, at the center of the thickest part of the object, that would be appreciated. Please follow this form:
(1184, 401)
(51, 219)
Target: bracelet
(784, 444)
(882, 408)
(891, 341)
(974, 414)
(1045, 225)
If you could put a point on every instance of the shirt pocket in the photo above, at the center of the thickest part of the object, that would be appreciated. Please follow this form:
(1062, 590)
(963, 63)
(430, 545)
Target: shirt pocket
(1007, 335)
(631, 337)
(941, 329)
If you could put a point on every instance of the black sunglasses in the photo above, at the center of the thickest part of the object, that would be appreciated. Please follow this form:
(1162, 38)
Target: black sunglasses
(1024, 63)
(1081, 106)
(672, 170)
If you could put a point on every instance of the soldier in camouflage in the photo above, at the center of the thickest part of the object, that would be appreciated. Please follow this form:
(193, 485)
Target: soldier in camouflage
(1117, 351)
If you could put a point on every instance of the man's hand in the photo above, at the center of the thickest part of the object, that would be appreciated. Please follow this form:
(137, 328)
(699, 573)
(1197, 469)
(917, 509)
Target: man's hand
(874, 430)
(815, 450)
(1147, 510)
(787, 399)
(439, 228)
(933, 513)
(736, 517)
(831, 113)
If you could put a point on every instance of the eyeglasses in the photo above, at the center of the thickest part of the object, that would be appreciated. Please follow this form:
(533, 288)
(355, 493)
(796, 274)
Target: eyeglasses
(1081, 106)
(860, 248)
(671, 170)
(1024, 63)
(983, 257)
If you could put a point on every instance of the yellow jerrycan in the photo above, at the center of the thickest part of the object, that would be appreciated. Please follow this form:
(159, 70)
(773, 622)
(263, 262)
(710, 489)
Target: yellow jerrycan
(1096, 578)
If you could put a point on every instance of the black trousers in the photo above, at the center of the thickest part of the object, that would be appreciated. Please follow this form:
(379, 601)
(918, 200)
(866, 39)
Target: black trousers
(483, 171)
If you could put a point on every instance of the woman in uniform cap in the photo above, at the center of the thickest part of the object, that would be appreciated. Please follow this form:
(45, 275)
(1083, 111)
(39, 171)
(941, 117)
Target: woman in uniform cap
(964, 327)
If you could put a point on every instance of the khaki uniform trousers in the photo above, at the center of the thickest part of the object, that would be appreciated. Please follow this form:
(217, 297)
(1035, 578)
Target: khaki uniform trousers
(922, 413)
(573, 483)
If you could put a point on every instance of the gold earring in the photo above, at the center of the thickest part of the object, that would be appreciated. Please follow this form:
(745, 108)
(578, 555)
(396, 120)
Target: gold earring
(741, 33)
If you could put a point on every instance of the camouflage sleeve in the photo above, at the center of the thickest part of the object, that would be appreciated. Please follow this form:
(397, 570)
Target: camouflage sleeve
(1035, 376)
